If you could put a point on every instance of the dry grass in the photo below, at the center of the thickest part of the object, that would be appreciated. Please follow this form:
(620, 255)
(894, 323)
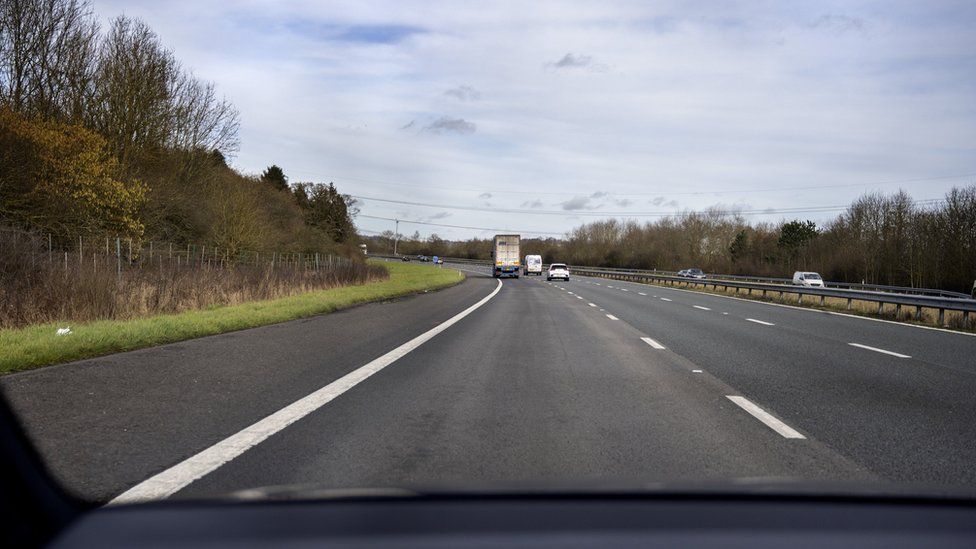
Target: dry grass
(38, 287)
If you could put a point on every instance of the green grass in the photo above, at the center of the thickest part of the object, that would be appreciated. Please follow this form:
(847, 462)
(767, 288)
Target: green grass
(35, 346)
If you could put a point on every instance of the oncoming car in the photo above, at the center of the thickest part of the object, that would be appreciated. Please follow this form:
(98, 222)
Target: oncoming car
(558, 270)
(801, 278)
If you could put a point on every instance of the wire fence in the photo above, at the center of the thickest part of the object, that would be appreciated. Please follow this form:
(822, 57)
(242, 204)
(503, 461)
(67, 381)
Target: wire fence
(45, 279)
(122, 253)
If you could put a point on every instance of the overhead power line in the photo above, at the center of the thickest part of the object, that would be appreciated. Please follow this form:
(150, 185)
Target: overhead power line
(520, 231)
(602, 213)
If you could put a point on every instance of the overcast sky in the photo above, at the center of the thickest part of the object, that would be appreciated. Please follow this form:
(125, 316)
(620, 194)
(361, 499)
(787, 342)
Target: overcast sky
(537, 116)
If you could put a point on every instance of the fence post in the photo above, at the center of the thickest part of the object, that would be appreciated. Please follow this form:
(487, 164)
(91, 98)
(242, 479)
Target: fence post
(118, 259)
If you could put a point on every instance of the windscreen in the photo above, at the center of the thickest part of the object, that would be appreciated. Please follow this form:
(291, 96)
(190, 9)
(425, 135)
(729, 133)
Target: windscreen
(218, 222)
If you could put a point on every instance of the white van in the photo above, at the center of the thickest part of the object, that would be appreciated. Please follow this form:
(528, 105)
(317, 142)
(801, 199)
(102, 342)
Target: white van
(533, 265)
(801, 278)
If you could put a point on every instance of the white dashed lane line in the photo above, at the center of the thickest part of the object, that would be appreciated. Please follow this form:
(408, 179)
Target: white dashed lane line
(665, 299)
(768, 419)
(611, 317)
(877, 350)
(763, 322)
(592, 304)
(652, 343)
(641, 293)
(702, 308)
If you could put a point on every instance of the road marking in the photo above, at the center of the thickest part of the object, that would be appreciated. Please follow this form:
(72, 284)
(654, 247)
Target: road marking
(665, 299)
(611, 317)
(696, 371)
(624, 290)
(578, 297)
(641, 293)
(592, 304)
(877, 350)
(702, 308)
(597, 283)
(195, 467)
(725, 313)
(763, 322)
(571, 293)
(765, 417)
(652, 343)
(611, 287)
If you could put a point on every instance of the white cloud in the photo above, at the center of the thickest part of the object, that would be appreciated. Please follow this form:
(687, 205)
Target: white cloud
(701, 97)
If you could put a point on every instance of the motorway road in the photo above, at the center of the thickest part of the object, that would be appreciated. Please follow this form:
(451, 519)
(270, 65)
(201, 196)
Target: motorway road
(590, 380)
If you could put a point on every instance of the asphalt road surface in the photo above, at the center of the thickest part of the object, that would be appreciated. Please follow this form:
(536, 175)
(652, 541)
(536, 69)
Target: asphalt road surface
(521, 383)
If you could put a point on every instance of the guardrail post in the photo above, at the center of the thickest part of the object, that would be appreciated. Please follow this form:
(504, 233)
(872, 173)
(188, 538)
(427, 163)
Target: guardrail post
(941, 317)
(823, 300)
(880, 307)
(897, 310)
(848, 304)
(918, 312)
(965, 319)
(799, 298)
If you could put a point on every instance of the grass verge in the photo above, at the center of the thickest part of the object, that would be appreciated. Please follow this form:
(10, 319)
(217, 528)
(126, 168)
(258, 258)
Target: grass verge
(34, 346)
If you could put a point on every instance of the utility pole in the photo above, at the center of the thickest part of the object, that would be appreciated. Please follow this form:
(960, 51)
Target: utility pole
(396, 234)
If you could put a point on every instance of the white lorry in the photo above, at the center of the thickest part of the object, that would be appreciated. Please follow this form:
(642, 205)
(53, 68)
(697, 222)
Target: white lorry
(505, 255)
(533, 265)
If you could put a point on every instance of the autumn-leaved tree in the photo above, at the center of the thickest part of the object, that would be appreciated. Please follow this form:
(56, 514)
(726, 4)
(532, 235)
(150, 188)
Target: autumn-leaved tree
(61, 178)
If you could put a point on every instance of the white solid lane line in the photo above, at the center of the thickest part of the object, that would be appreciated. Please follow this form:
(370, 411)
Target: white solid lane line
(592, 304)
(702, 308)
(763, 322)
(765, 417)
(652, 343)
(182, 474)
(877, 350)
(611, 317)
(665, 299)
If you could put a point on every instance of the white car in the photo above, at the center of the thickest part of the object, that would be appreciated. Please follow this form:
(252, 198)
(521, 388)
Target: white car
(801, 278)
(558, 270)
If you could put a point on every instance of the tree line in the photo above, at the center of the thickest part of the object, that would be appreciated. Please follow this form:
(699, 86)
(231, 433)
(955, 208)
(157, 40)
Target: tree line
(105, 132)
(880, 238)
